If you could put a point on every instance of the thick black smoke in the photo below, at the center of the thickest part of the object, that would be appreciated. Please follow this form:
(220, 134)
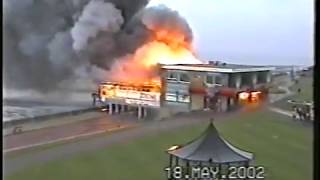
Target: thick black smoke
(48, 44)
(38, 52)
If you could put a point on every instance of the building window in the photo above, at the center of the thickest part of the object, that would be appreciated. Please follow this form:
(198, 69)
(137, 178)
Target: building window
(184, 98)
(171, 97)
(209, 79)
(184, 77)
(218, 80)
(172, 76)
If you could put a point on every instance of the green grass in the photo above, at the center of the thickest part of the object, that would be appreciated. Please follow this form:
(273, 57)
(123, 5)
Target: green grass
(306, 94)
(306, 86)
(32, 150)
(282, 146)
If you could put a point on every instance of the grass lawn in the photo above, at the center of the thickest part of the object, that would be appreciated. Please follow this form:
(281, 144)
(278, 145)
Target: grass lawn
(282, 146)
(306, 94)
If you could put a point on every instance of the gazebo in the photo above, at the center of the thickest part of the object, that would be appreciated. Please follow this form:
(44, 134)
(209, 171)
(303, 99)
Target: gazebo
(210, 150)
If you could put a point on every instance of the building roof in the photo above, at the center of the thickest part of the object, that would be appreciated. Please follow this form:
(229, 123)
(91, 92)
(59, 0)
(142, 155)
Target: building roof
(210, 146)
(225, 68)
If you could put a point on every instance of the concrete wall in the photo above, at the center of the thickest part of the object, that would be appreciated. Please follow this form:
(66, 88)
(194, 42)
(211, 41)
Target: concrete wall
(178, 107)
(197, 101)
(224, 105)
(171, 109)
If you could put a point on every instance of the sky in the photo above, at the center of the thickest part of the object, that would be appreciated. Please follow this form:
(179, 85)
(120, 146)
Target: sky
(257, 32)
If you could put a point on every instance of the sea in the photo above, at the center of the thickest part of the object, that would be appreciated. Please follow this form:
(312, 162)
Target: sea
(16, 108)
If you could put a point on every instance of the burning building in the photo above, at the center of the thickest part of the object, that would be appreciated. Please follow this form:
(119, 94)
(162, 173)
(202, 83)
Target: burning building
(188, 87)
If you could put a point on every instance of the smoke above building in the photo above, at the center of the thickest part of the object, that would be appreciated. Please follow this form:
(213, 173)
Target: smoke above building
(50, 44)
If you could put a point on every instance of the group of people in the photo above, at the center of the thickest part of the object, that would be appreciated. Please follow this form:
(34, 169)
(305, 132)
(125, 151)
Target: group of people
(302, 113)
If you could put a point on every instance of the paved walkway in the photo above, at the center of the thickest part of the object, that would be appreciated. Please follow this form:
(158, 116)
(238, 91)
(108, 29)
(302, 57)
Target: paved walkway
(277, 97)
(21, 161)
(285, 86)
(52, 122)
(281, 111)
(64, 132)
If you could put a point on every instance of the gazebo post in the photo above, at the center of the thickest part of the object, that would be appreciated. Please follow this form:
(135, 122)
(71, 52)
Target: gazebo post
(227, 171)
(170, 160)
(220, 170)
(177, 161)
(187, 165)
(246, 164)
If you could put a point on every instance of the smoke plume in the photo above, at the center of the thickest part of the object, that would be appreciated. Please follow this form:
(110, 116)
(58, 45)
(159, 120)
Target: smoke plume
(39, 42)
(97, 16)
(49, 44)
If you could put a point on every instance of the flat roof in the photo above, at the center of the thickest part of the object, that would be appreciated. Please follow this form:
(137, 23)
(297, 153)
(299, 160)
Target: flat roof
(225, 68)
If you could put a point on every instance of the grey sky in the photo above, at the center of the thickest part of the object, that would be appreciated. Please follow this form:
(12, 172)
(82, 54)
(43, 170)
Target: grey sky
(250, 31)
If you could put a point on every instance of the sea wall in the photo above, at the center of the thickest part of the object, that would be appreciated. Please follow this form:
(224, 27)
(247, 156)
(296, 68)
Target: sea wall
(28, 124)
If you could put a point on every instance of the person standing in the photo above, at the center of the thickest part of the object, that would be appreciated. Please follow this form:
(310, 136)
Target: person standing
(299, 90)
(300, 114)
(294, 114)
(307, 113)
(94, 99)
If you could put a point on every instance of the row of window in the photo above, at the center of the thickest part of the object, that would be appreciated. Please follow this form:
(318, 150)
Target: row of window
(212, 79)
(177, 97)
(184, 77)
(246, 80)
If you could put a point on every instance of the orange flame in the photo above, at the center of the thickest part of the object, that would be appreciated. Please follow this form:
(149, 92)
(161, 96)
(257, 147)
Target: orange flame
(166, 47)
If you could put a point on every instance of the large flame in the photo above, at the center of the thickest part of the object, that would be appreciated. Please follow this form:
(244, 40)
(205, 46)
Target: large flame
(165, 48)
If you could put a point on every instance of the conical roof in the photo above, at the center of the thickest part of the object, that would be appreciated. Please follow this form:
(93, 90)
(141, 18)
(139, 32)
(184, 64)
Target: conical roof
(211, 147)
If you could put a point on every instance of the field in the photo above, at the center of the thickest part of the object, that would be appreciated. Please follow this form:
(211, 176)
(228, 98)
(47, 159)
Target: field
(282, 146)
(306, 94)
